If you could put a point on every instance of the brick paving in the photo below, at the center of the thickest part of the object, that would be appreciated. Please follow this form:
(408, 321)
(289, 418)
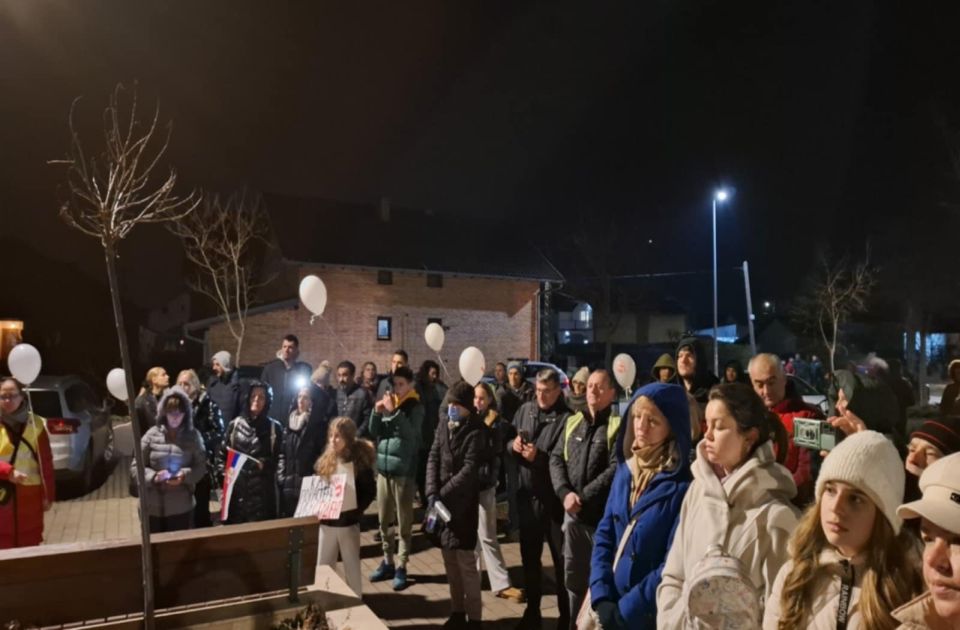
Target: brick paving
(109, 513)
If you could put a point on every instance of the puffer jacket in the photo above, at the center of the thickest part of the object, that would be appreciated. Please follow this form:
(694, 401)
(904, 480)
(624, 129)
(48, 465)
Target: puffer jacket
(542, 427)
(208, 420)
(184, 451)
(225, 392)
(822, 613)
(584, 461)
(710, 507)
(299, 453)
(255, 488)
(920, 614)
(397, 436)
(353, 402)
(633, 587)
(453, 477)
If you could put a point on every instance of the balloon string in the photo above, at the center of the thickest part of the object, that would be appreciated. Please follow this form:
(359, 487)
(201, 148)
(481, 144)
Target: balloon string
(332, 334)
(312, 317)
(444, 366)
(29, 400)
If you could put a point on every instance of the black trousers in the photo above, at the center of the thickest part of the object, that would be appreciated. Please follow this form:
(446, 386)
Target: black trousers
(201, 513)
(536, 527)
(172, 523)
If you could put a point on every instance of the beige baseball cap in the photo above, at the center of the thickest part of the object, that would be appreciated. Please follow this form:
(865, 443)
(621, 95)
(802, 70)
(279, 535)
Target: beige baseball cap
(940, 484)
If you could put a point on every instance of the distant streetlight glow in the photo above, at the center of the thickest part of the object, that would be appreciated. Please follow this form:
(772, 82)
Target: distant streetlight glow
(722, 195)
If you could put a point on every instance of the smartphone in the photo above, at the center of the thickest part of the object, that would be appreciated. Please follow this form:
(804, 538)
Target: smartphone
(524, 436)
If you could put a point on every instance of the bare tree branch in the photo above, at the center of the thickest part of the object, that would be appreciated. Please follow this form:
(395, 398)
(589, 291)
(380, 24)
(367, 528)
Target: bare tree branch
(219, 239)
(108, 195)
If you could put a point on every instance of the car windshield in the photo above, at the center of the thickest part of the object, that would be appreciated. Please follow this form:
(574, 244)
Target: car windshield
(46, 403)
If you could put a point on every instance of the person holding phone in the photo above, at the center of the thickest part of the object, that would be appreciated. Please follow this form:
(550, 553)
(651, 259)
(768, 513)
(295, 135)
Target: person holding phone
(174, 462)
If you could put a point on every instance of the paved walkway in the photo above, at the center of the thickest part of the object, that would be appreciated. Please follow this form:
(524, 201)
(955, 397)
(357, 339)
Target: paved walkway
(109, 513)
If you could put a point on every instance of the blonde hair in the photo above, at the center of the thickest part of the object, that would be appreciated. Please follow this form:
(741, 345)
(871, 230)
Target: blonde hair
(358, 450)
(192, 377)
(891, 576)
(151, 373)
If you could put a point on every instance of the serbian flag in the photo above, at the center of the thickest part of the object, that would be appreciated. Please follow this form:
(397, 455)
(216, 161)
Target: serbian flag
(234, 464)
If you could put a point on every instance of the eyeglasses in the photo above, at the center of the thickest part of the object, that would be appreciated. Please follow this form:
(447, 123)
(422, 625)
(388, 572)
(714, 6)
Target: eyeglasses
(9, 397)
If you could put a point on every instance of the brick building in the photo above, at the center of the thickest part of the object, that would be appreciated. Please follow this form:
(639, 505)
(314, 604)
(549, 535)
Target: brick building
(389, 272)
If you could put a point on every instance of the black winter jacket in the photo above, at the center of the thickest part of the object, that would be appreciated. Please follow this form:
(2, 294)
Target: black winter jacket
(255, 489)
(145, 408)
(209, 422)
(589, 466)
(285, 384)
(509, 400)
(353, 402)
(494, 433)
(299, 453)
(226, 393)
(366, 483)
(452, 477)
(542, 428)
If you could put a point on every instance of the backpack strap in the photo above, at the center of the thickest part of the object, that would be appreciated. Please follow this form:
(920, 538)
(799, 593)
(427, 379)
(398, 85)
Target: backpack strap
(624, 538)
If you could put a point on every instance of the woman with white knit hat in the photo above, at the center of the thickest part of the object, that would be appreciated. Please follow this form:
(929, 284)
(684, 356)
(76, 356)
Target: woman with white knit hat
(851, 564)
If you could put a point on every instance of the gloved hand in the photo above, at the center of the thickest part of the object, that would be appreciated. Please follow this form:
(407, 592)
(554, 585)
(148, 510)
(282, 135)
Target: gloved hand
(609, 614)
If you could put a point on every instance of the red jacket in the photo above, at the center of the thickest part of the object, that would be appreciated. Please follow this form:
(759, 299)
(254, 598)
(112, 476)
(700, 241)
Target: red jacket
(798, 459)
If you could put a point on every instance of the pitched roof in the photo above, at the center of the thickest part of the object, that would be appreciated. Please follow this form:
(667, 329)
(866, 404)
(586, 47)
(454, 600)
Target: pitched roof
(311, 230)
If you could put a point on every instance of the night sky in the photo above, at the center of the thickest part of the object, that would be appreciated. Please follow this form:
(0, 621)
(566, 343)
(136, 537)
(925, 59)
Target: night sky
(827, 117)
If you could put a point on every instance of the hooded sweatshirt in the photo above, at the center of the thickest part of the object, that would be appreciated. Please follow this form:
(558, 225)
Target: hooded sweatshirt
(665, 361)
(179, 451)
(711, 507)
(703, 380)
(633, 587)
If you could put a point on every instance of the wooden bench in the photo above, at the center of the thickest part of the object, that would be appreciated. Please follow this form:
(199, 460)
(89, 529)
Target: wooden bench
(102, 582)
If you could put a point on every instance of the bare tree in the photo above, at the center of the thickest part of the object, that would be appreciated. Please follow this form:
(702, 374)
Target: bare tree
(839, 290)
(108, 194)
(219, 238)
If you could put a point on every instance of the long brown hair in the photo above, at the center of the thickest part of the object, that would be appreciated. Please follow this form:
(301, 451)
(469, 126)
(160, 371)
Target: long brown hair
(358, 450)
(891, 576)
(749, 412)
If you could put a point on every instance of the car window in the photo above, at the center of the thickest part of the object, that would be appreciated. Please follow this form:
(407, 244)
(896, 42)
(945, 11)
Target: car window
(804, 389)
(79, 397)
(46, 403)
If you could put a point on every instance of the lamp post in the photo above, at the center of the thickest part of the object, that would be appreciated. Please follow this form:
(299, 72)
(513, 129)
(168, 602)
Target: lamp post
(720, 195)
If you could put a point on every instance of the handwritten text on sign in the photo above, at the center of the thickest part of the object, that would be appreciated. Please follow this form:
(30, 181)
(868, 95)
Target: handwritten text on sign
(321, 496)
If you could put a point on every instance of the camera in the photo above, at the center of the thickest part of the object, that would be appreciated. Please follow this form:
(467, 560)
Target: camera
(818, 435)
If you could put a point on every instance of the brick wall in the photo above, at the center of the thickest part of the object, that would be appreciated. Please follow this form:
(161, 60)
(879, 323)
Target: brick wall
(498, 316)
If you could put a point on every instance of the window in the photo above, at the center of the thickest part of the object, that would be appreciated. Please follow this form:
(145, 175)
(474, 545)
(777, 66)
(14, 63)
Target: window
(384, 277)
(384, 328)
(435, 320)
(434, 280)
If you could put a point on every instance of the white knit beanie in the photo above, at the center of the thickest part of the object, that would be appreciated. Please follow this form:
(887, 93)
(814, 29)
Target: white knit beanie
(870, 462)
(224, 359)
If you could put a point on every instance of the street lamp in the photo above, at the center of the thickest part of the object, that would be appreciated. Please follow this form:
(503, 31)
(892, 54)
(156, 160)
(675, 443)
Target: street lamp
(720, 195)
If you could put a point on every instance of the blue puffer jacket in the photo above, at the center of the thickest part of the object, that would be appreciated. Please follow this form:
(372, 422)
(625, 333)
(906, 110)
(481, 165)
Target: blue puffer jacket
(634, 586)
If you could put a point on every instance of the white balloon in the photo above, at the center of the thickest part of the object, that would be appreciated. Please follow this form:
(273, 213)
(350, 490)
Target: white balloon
(472, 365)
(434, 336)
(624, 370)
(24, 363)
(313, 294)
(117, 383)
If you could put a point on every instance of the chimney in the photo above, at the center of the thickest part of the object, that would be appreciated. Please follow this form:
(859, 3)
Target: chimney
(385, 209)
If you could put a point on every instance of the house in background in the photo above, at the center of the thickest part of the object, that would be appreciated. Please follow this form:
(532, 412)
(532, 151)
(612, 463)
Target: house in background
(389, 272)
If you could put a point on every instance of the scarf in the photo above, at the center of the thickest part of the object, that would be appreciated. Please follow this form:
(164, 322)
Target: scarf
(297, 420)
(646, 462)
(17, 417)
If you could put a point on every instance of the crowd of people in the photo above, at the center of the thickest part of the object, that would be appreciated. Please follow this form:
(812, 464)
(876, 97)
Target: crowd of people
(682, 504)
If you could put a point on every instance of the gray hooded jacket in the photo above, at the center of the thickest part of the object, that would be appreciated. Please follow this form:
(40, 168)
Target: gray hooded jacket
(173, 452)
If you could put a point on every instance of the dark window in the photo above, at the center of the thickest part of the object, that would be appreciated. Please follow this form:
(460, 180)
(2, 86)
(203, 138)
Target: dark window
(435, 320)
(434, 280)
(46, 403)
(79, 397)
(384, 328)
(384, 277)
